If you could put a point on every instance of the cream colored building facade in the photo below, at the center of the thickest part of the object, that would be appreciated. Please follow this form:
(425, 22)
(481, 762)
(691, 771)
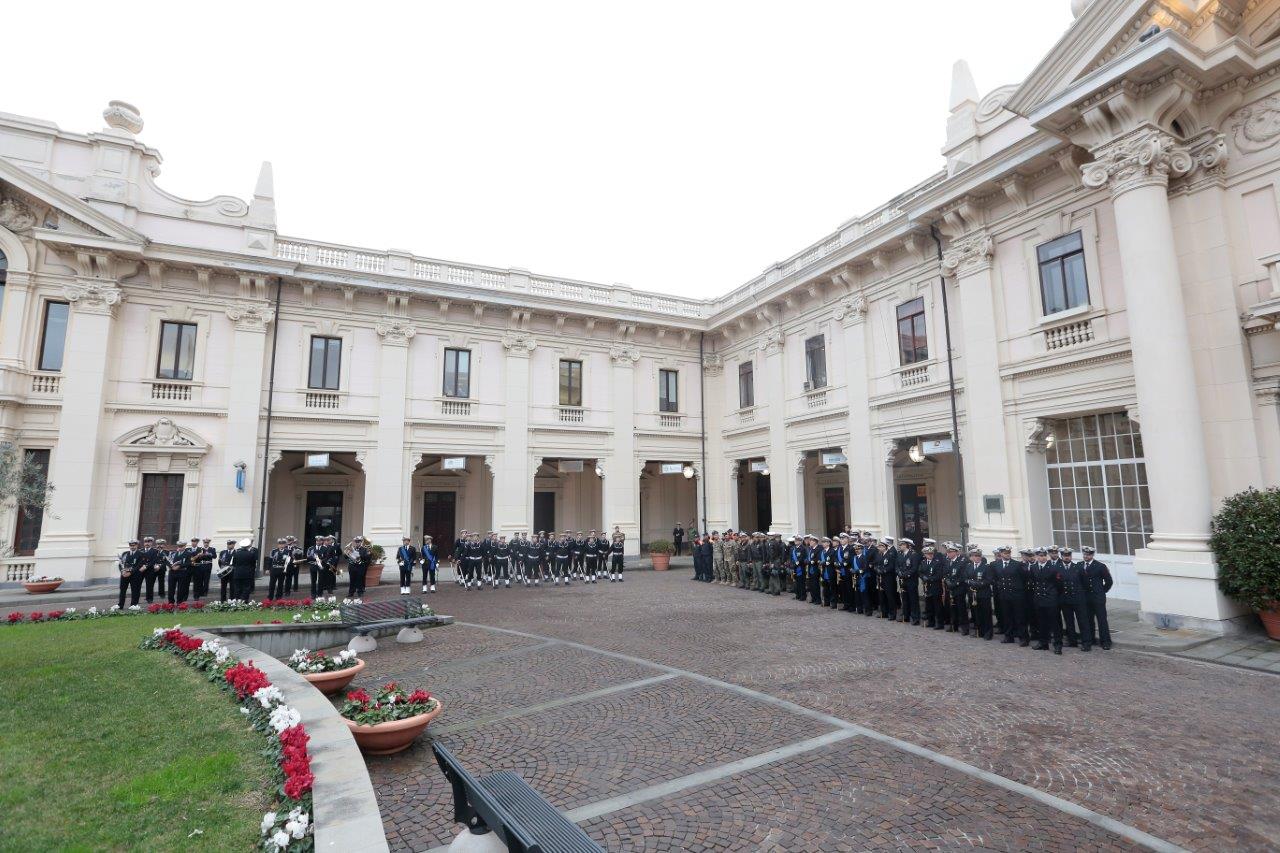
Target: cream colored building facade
(1106, 267)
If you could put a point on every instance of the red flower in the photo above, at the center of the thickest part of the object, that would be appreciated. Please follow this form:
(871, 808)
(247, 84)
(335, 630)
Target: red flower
(296, 786)
(245, 678)
(36, 616)
(358, 695)
(276, 622)
(259, 622)
(167, 607)
(199, 605)
(183, 606)
(306, 602)
(56, 614)
(390, 686)
(15, 616)
(153, 608)
(419, 696)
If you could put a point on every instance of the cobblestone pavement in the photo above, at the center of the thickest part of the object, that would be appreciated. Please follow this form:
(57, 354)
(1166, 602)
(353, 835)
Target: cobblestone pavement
(1178, 749)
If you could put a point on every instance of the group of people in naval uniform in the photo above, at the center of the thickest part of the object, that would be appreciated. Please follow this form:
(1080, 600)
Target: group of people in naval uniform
(1044, 596)
(180, 573)
(529, 560)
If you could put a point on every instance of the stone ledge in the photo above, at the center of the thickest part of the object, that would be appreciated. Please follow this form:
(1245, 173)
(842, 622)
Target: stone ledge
(280, 641)
(344, 807)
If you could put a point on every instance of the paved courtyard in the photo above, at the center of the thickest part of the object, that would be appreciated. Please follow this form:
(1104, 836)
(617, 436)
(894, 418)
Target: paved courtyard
(663, 714)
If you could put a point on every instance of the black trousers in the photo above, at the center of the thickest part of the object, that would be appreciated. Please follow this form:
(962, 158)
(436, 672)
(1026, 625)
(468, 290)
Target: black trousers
(911, 601)
(501, 568)
(959, 612)
(406, 574)
(678, 543)
(355, 582)
(1013, 620)
(225, 582)
(828, 593)
(1075, 616)
(815, 589)
(617, 563)
(179, 586)
(1049, 624)
(160, 575)
(315, 580)
(1029, 615)
(888, 596)
(868, 597)
(847, 599)
(291, 578)
(133, 585)
(1097, 618)
(328, 582)
(429, 574)
(933, 609)
(1000, 617)
(242, 588)
(150, 579)
(277, 584)
(982, 617)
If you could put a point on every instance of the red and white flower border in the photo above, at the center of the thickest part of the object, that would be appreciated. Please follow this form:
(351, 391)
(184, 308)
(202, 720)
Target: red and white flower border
(320, 610)
(289, 827)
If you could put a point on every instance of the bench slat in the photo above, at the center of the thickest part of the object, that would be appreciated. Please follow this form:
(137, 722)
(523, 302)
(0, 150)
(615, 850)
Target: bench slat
(535, 815)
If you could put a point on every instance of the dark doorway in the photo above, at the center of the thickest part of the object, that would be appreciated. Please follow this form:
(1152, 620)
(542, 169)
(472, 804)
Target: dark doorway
(160, 513)
(764, 504)
(833, 510)
(913, 500)
(439, 517)
(324, 517)
(27, 536)
(544, 512)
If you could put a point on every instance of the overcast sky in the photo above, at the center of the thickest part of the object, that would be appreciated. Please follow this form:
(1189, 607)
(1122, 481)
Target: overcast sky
(674, 146)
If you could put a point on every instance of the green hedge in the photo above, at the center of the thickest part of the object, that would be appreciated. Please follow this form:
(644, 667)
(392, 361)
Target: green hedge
(1246, 542)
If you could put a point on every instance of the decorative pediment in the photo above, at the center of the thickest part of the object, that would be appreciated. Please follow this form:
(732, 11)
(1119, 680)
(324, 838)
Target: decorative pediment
(26, 202)
(163, 436)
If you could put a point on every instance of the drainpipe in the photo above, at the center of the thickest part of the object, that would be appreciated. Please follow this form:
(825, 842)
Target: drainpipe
(702, 419)
(951, 383)
(266, 447)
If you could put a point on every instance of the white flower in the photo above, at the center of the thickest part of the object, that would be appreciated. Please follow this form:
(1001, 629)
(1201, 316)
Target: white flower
(244, 710)
(134, 607)
(297, 829)
(268, 695)
(268, 822)
(70, 610)
(296, 812)
(284, 717)
(297, 617)
(281, 839)
(335, 616)
(221, 654)
(156, 632)
(94, 610)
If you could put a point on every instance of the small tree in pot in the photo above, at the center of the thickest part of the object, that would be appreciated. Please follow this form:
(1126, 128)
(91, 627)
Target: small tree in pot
(1246, 542)
(660, 551)
(378, 556)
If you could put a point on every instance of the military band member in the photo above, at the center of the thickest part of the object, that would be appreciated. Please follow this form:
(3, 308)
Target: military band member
(146, 559)
(330, 555)
(1097, 582)
(957, 590)
(358, 561)
(1028, 559)
(224, 570)
(907, 569)
(1075, 602)
(532, 562)
(980, 583)
(130, 574)
(406, 560)
(1011, 591)
(430, 560)
(201, 568)
(603, 548)
(244, 565)
(867, 595)
(827, 571)
(277, 566)
(813, 568)
(933, 568)
(887, 580)
(1047, 587)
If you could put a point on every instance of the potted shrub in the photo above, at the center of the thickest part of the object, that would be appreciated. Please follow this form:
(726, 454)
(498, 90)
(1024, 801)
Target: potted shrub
(660, 552)
(389, 721)
(328, 674)
(44, 583)
(373, 576)
(1246, 532)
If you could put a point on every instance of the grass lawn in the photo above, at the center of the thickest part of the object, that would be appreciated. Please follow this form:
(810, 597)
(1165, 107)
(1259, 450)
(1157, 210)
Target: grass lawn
(108, 747)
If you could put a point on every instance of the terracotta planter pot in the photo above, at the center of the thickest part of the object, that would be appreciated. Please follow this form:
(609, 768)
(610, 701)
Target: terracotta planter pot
(329, 683)
(373, 575)
(392, 737)
(38, 587)
(1271, 620)
(661, 562)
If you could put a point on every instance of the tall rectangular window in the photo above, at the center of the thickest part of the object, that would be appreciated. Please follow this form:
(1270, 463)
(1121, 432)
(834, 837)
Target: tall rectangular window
(570, 382)
(177, 351)
(326, 363)
(668, 391)
(160, 510)
(53, 335)
(1063, 283)
(27, 535)
(746, 385)
(912, 344)
(457, 373)
(815, 362)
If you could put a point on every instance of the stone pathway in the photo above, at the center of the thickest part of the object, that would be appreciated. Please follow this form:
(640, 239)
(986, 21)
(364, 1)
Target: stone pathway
(667, 715)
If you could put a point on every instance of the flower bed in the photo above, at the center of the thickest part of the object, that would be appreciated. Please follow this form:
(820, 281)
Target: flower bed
(322, 610)
(390, 721)
(289, 827)
(306, 661)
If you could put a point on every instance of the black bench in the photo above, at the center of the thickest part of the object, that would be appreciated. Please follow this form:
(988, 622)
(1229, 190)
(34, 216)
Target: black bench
(375, 612)
(505, 804)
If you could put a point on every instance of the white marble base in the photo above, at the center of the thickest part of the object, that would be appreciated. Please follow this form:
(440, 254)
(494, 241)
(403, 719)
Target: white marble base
(362, 644)
(409, 635)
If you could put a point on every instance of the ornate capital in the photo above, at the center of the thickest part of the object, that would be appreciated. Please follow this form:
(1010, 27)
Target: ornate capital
(519, 343)
(251, 316)
(396, 332)
(969, 255)
(1268, 396)
(624, 355)
(712, 364)
(1039, 432)
(489, 461)
(93, 297)
(852, 310)
(1146, 157)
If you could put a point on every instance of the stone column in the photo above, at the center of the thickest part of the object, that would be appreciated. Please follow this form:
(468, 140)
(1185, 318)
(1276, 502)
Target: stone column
(798, 519)
(986, 449)
(782, 474)
(735, 470)
(14, 320)
(386, 480)
(622, 474)
(863, 462)
(716, 478)
(1176, 572)
(513, 470)
(1269, 432)
(235, 513)
(67, 540)
(888, 488)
